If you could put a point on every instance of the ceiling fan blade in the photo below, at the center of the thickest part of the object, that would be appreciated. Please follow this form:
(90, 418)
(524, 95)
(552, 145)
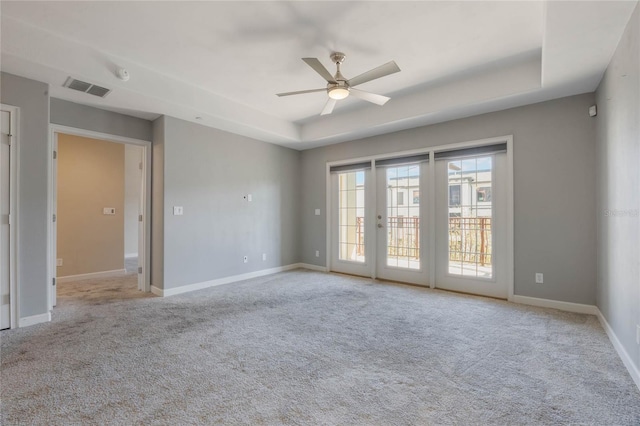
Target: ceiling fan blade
(300, 92)
(319, 68)
(381, 71)
(328, 107)
(371, 97)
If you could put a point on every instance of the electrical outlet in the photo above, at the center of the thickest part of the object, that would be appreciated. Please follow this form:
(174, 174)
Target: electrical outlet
(264, 256)
(638, 334)
(246, 259)
(178, 210)
(317, 253)
(539, 278)
(58, 262)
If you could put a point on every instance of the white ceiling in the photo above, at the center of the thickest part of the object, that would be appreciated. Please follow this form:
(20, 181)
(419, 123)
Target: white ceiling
(224, 61)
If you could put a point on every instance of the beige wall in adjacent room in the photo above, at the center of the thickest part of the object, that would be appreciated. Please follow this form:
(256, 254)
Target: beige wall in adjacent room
(90, 178)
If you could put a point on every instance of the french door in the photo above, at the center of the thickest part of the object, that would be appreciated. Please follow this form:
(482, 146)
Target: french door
(400, 217)
(377, 220)
(351, 220)
(471, 217)
(440, 221)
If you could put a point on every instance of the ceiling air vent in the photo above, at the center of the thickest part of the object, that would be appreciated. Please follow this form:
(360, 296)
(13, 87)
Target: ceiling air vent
(83, 86)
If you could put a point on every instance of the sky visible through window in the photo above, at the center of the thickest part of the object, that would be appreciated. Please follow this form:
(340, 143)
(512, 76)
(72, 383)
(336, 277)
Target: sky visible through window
(480, 164)
(403, 172)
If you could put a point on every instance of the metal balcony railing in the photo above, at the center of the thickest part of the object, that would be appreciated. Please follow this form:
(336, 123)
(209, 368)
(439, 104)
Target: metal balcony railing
(469, 238)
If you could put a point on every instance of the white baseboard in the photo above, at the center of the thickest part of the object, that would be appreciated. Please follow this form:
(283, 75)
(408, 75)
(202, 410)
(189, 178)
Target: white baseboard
(312, 267)
(556, 304)
(157, 291)
(130, 255)
(34, 319)
(622, 353)
(220, 281)
(102, 274)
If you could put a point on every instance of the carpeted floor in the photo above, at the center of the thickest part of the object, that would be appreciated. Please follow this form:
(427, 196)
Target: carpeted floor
(304, 347)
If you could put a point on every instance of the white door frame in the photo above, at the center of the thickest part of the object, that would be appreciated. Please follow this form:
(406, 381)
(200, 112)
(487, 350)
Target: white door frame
(14, 292)
(508, 139)
(54, 129)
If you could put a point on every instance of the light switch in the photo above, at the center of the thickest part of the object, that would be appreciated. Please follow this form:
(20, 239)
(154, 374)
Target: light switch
(317, 212)
(109, 211)
(249, 198)
(177, 210)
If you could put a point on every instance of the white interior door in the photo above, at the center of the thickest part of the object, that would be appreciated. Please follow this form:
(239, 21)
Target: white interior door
(54, 228)
(351, 236)
(5, 241)
(401, 223)
(141, 212)
(471, 224)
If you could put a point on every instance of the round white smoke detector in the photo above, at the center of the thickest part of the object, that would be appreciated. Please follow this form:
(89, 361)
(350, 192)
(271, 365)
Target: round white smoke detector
(122, 74)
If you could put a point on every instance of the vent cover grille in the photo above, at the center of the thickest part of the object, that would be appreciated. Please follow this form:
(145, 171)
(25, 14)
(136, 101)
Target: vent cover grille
(98, 91)
(83, 86)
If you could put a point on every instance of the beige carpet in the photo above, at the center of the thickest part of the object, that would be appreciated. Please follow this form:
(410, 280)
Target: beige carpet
(310, 348)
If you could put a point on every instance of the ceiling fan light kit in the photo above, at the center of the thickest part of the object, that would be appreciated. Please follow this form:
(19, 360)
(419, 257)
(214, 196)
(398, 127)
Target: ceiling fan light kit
(338, 87)
(338, 93)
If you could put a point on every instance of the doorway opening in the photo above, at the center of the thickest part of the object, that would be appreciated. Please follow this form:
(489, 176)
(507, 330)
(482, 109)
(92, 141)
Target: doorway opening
(99, 186)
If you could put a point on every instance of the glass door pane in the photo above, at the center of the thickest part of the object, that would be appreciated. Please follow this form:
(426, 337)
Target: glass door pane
(403, 216)
(351, 198)
(470, 217)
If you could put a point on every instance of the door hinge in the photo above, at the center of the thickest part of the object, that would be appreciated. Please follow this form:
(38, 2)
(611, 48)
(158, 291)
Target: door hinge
(54, 217)
(55, 155)
(9, 219)
(139, 269)
(140, 166)
(139, 218)
(54, 281)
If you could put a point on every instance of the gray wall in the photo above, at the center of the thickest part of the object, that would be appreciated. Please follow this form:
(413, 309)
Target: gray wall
(618, 165)
(554, 181)
(85, 117)
(33, 99)
(208, 172)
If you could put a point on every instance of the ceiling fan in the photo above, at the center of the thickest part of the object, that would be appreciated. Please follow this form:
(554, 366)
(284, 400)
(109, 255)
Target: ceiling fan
(338, 87)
